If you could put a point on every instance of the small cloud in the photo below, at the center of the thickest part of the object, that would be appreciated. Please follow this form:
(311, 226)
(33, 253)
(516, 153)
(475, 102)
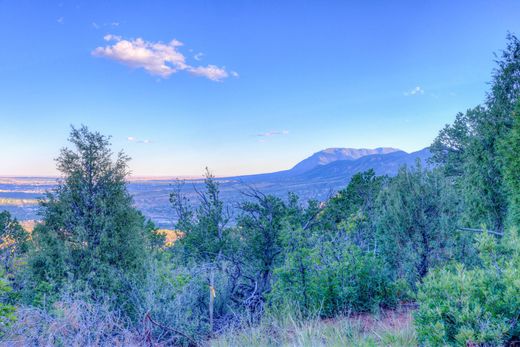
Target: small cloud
(273, 133)
(96, 25)
(60, 20)
(110, 37)
(211, 72)
(415, 91)
(234, 74)
(136, 140)
(157, 58)
(198, 56)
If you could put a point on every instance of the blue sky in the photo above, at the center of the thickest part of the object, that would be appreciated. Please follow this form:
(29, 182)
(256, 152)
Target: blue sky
(239, 86)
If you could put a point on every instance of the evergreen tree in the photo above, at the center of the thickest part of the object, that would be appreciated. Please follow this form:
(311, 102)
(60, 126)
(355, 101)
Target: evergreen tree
(416, 229)
(510, 149)
(469, 149)
(91, 237)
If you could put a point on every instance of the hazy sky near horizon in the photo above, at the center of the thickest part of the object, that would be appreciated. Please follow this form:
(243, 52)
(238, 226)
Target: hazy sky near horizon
(239, 86)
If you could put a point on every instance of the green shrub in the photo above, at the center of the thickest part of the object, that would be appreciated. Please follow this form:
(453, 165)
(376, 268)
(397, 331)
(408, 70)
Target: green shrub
(479, 306)
(330, 276)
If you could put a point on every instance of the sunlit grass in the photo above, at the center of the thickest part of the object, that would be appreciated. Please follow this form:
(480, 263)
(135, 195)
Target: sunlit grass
(389, 329)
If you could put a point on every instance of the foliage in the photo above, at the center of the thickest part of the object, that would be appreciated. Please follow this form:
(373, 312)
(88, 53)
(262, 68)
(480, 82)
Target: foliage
(479, 306)
(510, 149)
(356, 203)
(469, 149)
(7, 311)
(206, 232)
(14, 242)
(327, 275)
(416, 228)
(92, 239)
(262, 225)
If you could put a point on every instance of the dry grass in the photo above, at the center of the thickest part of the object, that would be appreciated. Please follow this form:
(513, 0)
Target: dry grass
(170, 236)
(28, 225)
(72, 323)
(390, 328)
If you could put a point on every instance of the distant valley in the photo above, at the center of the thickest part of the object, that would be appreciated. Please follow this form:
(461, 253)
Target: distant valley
(316, 177)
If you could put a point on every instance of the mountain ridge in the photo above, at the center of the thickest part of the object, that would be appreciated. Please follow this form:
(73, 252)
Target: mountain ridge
(332, 154)
(339, 163)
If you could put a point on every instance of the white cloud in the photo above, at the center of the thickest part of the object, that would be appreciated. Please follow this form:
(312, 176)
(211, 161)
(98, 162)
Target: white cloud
(211, 72)
(415, 91)
(273, 133)
(96, 25)
(110, 37)
(198, 56)
(157, 58)
(136, 140)
(234, 74)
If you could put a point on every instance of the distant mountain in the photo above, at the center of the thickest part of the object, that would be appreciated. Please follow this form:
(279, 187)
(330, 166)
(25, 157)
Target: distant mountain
(383, 164)
(330, 155)
(340, 164)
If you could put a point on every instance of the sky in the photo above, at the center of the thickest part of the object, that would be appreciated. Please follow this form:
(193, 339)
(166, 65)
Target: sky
(239, 86)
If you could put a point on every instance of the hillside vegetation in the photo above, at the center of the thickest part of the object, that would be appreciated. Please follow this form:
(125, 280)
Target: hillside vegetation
(441, 238)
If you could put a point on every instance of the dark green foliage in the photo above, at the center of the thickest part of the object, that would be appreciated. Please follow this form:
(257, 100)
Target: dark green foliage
(479, 306)
(209, 250)
(510, 149)
(469, 150)
(91, 238)
(323, 273)
(356, 203)
(207, 236)
(262, 225)
(415, 227)
(265, 224)
(331, 267)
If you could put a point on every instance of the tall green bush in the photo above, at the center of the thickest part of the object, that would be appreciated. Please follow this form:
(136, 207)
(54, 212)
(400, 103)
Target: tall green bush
(324, 273)
(91, 238)
(417, 223)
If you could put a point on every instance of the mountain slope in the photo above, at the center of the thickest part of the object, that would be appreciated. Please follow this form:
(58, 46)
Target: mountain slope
(318, 159)
(330, 155)
(382, 164)
(339, 164)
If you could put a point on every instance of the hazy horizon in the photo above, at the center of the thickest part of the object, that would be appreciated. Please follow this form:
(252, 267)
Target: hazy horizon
(133, 177)
(183, 86)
